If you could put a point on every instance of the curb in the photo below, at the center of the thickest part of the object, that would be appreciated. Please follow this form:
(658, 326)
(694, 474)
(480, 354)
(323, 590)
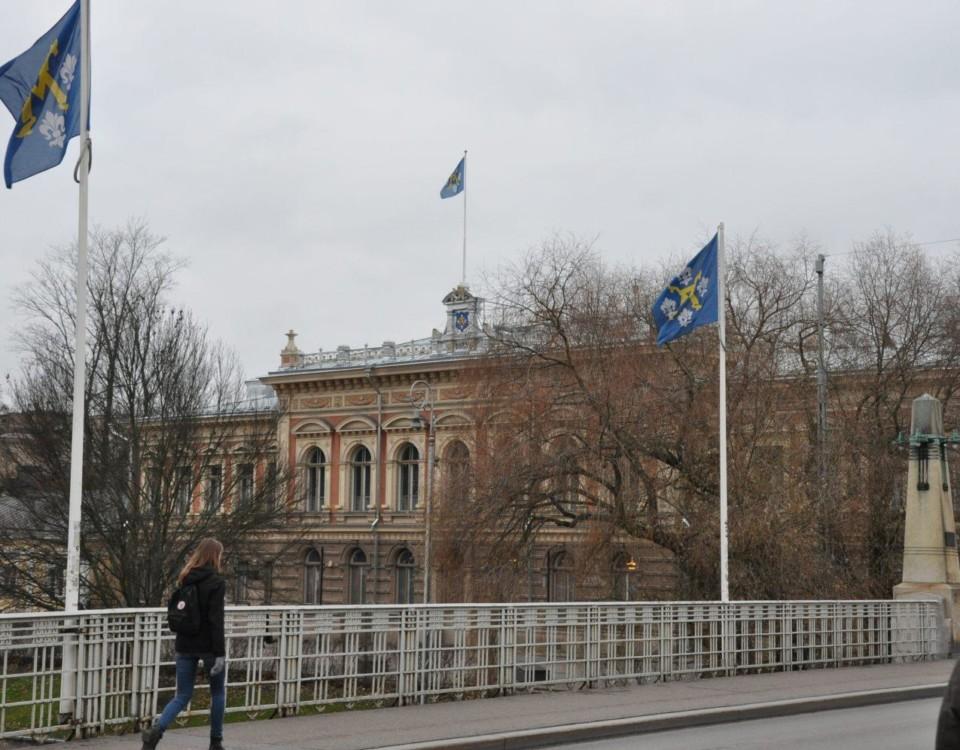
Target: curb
(598, 730)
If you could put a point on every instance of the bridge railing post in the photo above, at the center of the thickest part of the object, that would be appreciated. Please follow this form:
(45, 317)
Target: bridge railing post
(419, 655)
(786, 636)
(406, 657)
(136, 672)
(290, 640)
(730, 621)
(836, 613)
(507, 657)
(664, 645)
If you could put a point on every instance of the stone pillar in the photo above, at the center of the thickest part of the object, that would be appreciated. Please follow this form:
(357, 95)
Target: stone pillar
(931, 567)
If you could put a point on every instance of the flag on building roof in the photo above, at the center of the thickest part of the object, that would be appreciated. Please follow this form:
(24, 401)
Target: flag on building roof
(41, 88)
(690, 300)
(455, 182)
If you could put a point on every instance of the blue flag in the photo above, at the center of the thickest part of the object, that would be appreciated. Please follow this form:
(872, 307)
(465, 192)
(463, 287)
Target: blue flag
(455, 182)
(41, 88)
(691, 299)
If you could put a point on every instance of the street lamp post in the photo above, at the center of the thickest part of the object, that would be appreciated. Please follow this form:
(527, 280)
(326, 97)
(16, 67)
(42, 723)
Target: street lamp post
(426, 402)
(631, 568)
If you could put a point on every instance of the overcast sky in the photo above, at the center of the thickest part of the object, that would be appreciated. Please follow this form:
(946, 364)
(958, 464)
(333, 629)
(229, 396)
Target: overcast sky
(293, 152)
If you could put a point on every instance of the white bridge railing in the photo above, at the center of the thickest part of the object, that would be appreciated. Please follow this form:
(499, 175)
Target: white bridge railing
(285, 660)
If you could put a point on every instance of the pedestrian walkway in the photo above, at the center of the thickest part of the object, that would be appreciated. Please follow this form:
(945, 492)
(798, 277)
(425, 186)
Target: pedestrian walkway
(442, 724)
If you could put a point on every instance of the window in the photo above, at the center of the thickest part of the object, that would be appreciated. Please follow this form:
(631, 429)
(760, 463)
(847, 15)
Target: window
(214, 487)
(183, 493)
(56, 575)
(272, 488)
(769, 463)
(241, 582)
(456, 464)
(245, 484)
(405, 570)
(9, 577)
(266, 577)
(313, 578)
(560, 584)
(357, 577)
(252, 582)
(408, 481)
(360, 479)
(457, 460)
(154, 486)
(314, 480)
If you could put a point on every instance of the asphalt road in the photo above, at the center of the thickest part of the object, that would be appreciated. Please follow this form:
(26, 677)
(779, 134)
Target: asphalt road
(910, 725)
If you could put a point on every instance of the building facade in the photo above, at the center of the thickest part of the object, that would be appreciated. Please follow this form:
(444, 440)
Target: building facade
(367, 431)
(371, 437)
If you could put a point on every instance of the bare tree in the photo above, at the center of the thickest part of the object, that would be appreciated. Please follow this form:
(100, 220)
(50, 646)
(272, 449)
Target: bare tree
(893, 336)
(176, 449)
(585, 425)
(598, 433)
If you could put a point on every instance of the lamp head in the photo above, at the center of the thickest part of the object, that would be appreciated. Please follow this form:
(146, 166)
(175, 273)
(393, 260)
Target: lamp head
(927, 416)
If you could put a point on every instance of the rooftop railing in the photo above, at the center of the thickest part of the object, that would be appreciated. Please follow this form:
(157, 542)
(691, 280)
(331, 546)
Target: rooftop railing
(347, 357)
(289, 660)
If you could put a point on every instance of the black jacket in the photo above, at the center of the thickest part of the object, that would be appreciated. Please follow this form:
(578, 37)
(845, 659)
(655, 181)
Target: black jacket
(948, 724)
(210, 589)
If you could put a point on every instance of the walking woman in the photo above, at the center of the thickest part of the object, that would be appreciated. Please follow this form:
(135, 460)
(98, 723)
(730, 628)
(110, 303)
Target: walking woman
(200, 597)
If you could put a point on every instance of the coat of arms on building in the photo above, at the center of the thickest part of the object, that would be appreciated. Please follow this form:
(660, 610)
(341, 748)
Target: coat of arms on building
(461, 320)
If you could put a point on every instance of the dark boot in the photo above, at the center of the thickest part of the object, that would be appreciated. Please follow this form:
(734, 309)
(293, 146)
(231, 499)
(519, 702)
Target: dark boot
(216, 744)
(151, 737)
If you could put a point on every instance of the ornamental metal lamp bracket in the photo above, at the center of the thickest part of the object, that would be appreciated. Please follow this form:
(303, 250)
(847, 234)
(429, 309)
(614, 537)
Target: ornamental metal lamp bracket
(920, 444)
(902, 440)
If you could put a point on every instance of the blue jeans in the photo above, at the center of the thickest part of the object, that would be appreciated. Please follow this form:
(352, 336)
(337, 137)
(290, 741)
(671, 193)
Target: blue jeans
(186, 677)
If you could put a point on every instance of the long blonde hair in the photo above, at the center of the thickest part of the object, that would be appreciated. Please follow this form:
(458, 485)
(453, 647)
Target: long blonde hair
(208, 552)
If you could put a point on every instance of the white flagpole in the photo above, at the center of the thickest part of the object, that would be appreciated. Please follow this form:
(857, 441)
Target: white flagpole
(721, 316)
(72, 582)
(463, 275)
(72, 578)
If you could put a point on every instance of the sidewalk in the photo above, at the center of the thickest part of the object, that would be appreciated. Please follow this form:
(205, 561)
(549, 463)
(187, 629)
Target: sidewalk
(544, 718)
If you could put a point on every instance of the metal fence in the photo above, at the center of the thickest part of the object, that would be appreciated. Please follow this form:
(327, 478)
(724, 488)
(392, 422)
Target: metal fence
(285, 660)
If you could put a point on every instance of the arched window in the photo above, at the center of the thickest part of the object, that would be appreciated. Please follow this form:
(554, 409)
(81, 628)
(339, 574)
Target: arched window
(408, 477)
(360, 479)
(457, 468)
(405, 571)
(313, 578)
(314, 480)
(560, 583)
(566, 486)
(357, 577)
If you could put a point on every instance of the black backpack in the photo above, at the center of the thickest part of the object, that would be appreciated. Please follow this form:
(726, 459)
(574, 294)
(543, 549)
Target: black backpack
(183, 610)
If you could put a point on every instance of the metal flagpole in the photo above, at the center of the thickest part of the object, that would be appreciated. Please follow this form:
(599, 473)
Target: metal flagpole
(72, 598)
(72, 577)
(463, 275)
(825, 512)
(721, 316)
